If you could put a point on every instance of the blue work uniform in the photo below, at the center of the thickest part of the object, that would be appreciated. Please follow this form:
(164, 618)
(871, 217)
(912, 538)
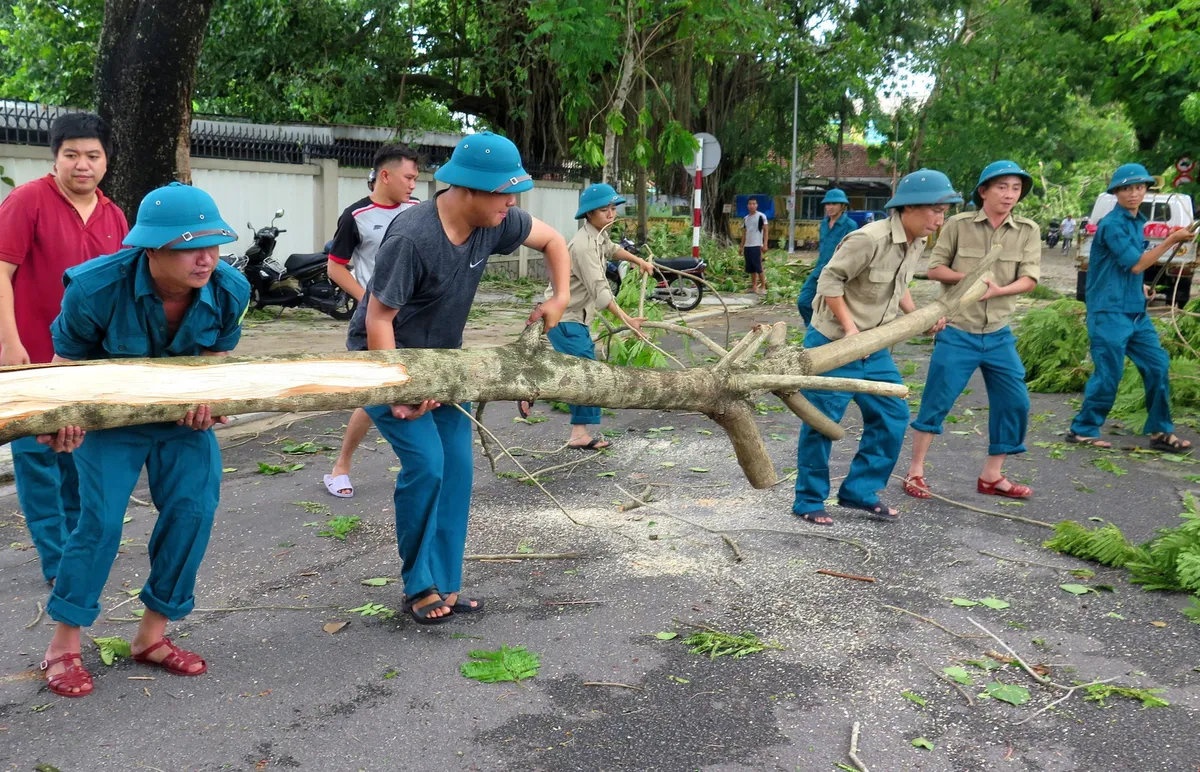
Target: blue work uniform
(979, 336)
(870, 270)
(112, 311)
(1119, 327)
(831, 236)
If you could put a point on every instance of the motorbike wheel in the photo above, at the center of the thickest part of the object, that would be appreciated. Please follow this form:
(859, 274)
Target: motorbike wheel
(1051, 240)
(345, 308)
(684, 293)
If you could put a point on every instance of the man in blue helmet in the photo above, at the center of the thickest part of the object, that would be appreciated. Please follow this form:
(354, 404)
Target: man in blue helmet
(1118, 324)
(169, 295)
(978, 336)
(834, 227)
(591, 249)
(865, 286)
(426, 272)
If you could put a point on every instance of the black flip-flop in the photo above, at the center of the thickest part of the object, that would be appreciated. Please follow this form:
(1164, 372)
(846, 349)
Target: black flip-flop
(463, 605)
(592, 445)
(1163, 443)
(421, 615)
(878, 512)
(524, 413)
(811, 517)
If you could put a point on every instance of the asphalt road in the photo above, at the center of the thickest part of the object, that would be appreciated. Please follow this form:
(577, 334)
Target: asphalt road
(384, 694)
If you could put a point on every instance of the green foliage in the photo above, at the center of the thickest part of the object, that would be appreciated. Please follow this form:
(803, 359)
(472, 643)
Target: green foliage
(1053, 344)
(112, 648)
(1170, 561)
(374, 610)
(508, 664)
(339, 527)
(1098, 693)
(274, 469)
(715, 644)
(1010, 693)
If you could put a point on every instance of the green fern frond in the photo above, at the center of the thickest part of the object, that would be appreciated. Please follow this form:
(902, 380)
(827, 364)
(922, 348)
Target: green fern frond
(1106, 545)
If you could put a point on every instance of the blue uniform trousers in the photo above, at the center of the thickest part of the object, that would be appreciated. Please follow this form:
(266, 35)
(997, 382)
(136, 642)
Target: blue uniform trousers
(808, 293)
(884, 422)
(184, 471)
(576, 339)
(48, 491)
(956, 356)
(433, 494)
(1115, 336)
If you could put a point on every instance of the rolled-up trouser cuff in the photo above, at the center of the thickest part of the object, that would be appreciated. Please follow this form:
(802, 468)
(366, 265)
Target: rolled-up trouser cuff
(1005, 450)
(69, 614)
(171, 611)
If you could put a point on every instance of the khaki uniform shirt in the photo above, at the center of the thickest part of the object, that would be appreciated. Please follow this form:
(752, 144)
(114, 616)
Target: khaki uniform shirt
(965, 240)
(590, 292)
(871, 270)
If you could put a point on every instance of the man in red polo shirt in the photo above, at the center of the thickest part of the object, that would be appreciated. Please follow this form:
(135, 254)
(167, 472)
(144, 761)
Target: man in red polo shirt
(47, 226)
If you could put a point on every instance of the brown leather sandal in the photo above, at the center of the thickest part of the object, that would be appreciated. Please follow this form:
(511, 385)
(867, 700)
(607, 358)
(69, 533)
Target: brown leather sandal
(916, 487)
(1014, 492)
(175, 663)
(74, 677)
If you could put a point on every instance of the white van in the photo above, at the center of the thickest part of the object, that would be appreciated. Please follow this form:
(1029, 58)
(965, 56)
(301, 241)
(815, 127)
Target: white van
(1164, 212)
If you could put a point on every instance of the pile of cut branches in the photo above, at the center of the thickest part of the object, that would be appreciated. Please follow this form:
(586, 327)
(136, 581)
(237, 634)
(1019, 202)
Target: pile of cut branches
(1170, 561)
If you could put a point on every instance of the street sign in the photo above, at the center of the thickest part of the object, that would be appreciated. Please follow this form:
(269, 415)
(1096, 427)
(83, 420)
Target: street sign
(1183, 179)
(1185, 165)
(711, 150)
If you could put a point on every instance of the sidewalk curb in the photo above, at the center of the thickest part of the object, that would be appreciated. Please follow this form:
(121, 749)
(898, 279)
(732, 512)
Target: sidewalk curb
(239, 425)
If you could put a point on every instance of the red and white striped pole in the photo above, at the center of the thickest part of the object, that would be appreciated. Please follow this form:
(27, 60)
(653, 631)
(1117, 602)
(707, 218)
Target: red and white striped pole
(696, 202)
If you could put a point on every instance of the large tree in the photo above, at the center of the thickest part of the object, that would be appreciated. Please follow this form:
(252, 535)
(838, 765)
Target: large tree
(145, 74)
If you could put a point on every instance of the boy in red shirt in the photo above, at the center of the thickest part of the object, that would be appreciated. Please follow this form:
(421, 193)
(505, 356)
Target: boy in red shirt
(47, 226)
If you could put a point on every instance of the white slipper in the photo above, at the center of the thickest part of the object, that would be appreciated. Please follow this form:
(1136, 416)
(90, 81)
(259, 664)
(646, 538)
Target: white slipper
(335, 486)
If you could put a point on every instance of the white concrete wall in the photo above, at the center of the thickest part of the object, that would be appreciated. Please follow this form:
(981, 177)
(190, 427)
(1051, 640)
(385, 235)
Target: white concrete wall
(312, 197)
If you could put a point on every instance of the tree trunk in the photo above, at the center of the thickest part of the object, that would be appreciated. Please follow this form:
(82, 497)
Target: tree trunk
(39, 399)
(841, 142)
(145, 72)
(624, 83)
(643, 198)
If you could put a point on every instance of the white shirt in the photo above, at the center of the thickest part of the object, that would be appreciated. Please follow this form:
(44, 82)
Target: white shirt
(754, 236)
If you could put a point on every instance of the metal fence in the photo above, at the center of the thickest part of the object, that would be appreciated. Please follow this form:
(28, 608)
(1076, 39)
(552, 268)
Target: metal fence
(28, 123)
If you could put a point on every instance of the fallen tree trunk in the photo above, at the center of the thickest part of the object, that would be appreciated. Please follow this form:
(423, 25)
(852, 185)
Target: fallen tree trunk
(105, 394)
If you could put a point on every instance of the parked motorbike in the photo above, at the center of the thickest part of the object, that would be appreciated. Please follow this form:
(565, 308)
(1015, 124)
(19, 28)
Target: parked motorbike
(302, 280)
(1052, 235)
(682, 293)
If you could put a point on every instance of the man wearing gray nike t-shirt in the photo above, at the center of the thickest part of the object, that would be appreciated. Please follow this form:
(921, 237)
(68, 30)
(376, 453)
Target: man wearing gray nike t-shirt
(426, 272)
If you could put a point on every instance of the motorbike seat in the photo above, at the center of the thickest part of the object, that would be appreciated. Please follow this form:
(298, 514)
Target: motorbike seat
(680, 263)
(303, 263)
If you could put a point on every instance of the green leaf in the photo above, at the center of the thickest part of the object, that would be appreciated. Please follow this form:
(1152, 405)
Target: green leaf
(1114, 615)
(273, 469)
(1107, 465)
(705, 432)
(915, 698)
(393, 469)
(607, 474)
(666, 636)
(507, 664)
(1082, 573)
(1100, 692)
(963, 602)
(229, 469)
(112, 648)
(1075, 589)
(698, 469)
(1010, 693)
(138, 612)
(667, 464)
(678, 680)
(985, 664)
(995, 603)
(379, 581)
(339, 527)
(373, 610)
(959, 674)
(921, 742)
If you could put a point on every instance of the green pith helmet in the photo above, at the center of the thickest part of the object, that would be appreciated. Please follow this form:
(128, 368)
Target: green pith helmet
(486, 162)
(924, 187)
(835, 196)
(1002, 169)
(1130, 174)
(179, 216)
(596, 197)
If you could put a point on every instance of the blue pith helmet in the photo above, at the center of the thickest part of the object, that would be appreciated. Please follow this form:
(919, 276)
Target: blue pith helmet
(835, 196)
(1130, 174)
(487, 162)
(1002, 169)
(597, 196)
(179, 216)
(924, 187)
